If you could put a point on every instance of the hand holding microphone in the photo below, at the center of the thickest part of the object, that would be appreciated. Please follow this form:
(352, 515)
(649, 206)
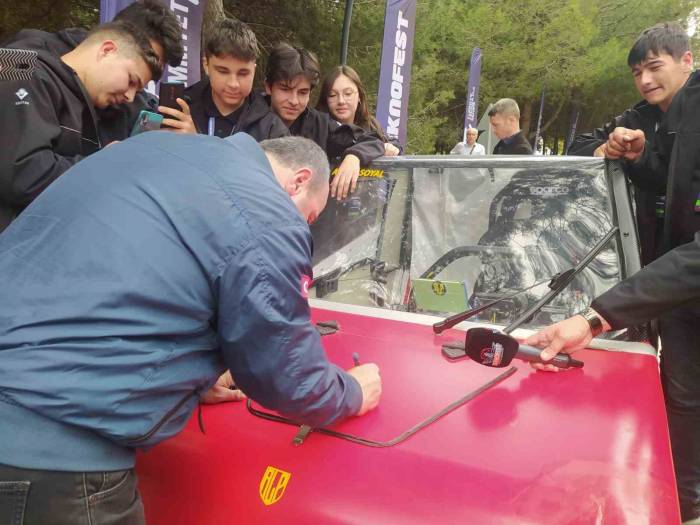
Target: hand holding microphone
(495, 349)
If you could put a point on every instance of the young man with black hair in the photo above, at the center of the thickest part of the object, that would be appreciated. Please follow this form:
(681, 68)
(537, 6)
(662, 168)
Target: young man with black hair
(155, 20)
(48, 123)
(659, 140)
(224, 103)
(292, 73)
(657, 81)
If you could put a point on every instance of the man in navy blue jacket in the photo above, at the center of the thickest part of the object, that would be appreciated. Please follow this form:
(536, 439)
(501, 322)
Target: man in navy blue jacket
(129, 286)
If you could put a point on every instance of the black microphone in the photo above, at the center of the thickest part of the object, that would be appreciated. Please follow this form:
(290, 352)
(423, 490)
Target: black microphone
(495, 349)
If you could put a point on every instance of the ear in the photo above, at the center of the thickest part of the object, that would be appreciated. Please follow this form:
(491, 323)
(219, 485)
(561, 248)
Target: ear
(268, 88)
(106, 48)
(687, 61)
(205, 65)
(298, 181)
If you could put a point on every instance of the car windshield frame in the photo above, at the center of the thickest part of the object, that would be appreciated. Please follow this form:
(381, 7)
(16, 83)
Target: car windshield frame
(380, 269)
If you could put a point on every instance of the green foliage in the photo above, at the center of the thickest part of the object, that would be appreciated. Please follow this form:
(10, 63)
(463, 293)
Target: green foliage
(576, 48)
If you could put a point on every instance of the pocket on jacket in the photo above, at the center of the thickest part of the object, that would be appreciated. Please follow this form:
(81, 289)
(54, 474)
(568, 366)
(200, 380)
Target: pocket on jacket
(113, 498)
(13, 501)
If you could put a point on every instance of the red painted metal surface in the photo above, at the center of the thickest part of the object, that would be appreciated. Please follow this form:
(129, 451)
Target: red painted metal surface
(579, 447)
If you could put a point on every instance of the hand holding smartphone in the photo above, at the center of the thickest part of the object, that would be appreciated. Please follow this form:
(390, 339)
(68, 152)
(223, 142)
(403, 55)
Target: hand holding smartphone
(176, 117)
(169, 92)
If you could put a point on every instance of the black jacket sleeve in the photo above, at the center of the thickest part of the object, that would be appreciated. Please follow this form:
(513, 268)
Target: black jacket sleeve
(274, 126)
(349, 139)
(28, 129)
(666, 283)
(650, 171)
(586, 143)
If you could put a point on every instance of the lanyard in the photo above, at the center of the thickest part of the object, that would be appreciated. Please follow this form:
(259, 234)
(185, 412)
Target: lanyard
(211, 125)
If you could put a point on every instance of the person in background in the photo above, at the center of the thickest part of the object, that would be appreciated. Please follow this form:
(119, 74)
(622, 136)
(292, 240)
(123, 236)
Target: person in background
(344, 97)
(292, 73)
(155, 20)
(505, 123)
(225, 103)
(49, 122)
(471, 147)
(657, 82)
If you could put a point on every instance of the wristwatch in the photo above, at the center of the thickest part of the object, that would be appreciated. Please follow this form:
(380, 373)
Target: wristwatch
(594, 321)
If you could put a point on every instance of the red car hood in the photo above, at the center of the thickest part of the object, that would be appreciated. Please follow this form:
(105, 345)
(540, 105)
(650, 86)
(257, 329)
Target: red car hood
(578, 447)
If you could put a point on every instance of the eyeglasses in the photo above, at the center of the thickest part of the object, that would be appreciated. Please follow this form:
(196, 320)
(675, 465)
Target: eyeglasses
(348, 93)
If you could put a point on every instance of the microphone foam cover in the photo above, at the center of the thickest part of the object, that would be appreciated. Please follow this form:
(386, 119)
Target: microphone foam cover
(490, 347)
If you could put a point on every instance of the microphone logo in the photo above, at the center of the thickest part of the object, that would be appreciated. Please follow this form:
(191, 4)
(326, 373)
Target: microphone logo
(492, 355)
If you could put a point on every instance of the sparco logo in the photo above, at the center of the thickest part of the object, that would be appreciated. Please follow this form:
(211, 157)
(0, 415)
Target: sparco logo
(21, 95)
(492, 355)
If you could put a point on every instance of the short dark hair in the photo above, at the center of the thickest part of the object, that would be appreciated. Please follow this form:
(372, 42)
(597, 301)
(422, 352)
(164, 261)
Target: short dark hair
(666, 37)
(136, 43)
(230, 37)
(158, 23)
(286, 62)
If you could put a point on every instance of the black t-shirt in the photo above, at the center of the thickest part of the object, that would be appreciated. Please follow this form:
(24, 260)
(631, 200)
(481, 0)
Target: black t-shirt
(224, 126)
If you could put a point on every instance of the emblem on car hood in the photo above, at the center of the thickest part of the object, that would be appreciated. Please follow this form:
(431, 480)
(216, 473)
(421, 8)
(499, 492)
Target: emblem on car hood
(273, 484)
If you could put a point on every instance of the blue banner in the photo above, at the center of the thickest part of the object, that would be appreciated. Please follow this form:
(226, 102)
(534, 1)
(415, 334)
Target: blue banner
(189, 13)
(572, 130)
(539, 120)
(395, 68)
(472, 106)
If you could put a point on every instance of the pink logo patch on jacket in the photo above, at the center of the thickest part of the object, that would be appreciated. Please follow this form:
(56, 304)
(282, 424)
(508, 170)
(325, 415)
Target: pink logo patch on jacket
(305, 284)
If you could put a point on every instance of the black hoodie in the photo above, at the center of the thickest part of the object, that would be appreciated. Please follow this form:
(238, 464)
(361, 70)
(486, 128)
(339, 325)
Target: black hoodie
(646, 117)
(337, 140)
(114, 122)
(47, 124)
(255, 117)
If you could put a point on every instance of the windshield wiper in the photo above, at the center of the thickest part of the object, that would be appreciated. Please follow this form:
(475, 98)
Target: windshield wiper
(557, 284)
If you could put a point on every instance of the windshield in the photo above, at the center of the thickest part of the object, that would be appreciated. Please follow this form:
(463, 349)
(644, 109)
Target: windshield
(435, 236)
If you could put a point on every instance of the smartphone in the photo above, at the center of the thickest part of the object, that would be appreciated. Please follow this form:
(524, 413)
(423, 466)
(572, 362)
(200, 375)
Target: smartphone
(169, 92)
(146, 121)
(17, 64)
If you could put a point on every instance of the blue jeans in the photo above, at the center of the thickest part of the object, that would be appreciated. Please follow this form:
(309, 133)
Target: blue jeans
(39, 497)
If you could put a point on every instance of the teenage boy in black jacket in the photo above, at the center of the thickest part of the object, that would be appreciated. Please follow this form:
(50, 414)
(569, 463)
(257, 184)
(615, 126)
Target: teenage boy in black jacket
(224, 103)
(671, 42)
(48, 123)
(668, 163)
(155, 20)
(292, 73)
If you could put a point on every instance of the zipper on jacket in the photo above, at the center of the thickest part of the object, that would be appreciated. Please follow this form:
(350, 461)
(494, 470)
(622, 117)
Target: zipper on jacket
(164, 419)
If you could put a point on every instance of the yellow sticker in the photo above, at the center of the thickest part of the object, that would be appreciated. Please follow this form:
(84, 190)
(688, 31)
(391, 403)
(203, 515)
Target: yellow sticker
(272, 485)
(439, 288)
(364, 172)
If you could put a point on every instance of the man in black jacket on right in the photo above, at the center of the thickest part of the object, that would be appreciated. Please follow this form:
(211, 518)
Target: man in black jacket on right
(672, 43)
(668, 163)
(505, 123)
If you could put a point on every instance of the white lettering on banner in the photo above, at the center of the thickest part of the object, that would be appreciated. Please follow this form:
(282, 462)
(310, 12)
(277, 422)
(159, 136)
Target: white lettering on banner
(471, 105)
(393, 124)
(179, 74)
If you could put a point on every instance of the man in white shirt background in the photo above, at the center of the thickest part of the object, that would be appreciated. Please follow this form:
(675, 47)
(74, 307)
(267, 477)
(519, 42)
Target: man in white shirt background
(470, 147)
